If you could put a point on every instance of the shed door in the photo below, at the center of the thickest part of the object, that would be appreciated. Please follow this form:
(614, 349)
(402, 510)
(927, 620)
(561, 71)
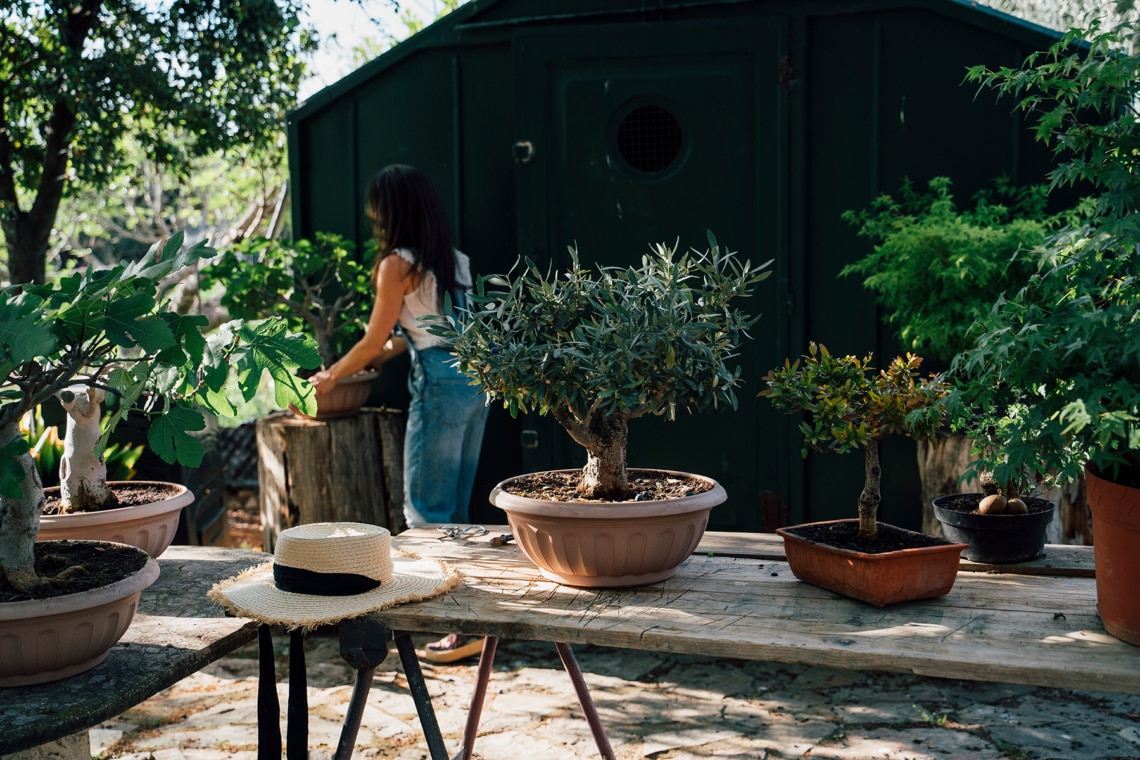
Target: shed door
(636, 134)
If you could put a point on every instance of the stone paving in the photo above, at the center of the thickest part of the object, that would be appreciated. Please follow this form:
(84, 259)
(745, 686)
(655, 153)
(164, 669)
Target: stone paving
(659, 706)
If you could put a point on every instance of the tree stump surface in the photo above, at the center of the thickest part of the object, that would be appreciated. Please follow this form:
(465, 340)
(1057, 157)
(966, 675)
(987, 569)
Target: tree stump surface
(348, 469)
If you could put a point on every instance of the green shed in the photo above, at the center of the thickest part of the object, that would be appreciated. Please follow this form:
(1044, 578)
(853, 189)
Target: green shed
(612, 124)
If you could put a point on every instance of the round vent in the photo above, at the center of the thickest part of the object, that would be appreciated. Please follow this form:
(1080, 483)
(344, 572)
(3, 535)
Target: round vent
(649, 139)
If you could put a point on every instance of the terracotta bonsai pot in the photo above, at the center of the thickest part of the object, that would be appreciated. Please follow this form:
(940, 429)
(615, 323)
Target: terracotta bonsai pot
(44, 640)
(903, 575)
(608, 544)
(149, 526)
(1116, 552)
(994, 539)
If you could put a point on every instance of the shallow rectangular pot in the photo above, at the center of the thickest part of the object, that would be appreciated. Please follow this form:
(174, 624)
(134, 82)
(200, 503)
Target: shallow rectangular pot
(879, 579)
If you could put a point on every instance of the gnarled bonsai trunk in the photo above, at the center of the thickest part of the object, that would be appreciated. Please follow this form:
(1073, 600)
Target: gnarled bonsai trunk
(605, 439)
(20, 522)
(82, 473)
(872, 493)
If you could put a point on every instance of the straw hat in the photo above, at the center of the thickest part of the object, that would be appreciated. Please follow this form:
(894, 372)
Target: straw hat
(325, 572)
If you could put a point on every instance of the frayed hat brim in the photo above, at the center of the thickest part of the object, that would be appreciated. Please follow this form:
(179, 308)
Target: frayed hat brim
(252, 594)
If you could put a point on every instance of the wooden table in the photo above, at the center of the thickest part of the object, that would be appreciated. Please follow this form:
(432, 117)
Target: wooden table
(1033, 623)
(176, 632)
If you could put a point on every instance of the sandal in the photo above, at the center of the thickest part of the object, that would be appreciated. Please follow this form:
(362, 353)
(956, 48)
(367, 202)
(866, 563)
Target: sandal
(453, 647)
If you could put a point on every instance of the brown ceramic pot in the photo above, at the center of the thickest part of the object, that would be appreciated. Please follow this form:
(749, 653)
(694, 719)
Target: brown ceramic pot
(1116, 551)
(345, 398)
(879, 579)
(608, 544)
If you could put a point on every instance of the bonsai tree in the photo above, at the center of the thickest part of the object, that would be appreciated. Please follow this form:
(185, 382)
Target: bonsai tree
(1052, 374)
(599, 347)
(109, 332)
(848, 406)
(316, 286)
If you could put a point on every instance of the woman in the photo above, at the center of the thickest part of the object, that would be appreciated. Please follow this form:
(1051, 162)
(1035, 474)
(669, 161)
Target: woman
(415, 266)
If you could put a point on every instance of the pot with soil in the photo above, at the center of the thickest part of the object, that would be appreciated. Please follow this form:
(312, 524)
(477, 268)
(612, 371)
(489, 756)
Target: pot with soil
(849, 406)
(597, 349)
(146, 516)
(995, 538)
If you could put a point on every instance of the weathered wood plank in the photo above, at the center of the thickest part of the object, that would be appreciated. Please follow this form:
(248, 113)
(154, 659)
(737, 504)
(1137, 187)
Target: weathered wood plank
(1015, 628)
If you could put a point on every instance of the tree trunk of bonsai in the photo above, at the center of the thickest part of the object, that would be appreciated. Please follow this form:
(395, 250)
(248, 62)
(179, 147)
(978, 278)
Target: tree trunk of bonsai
(605, 439)
(20, 522)
(82, 474)
(871, 496)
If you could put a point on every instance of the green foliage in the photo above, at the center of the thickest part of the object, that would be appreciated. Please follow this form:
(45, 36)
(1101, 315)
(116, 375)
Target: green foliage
(317, 286)
(610, 341)
(936, 269)
(1053, 377)
(848, 405)
(111, 329)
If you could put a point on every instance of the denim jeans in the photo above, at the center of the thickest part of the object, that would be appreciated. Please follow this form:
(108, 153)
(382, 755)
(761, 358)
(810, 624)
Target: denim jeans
(446, 418)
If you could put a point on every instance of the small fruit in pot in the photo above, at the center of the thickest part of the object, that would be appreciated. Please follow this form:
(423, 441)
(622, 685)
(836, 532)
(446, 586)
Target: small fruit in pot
(1016, 506)
(994, 504)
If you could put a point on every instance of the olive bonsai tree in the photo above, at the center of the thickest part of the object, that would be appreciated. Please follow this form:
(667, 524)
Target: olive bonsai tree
(316, 286)
(848, 406)
(599, 347)
(110, 331)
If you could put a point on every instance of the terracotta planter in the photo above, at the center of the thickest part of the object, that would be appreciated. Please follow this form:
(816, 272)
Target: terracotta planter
(1116, 551)
(994, 539)
(879, 579)
(345, 398)
(608, 545)
(48, 639)
(149, 527)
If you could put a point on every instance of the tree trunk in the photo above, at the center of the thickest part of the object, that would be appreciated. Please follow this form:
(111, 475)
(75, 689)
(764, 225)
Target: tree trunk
(605, 440)
(20, 522)
(83, 474)
(872, 493)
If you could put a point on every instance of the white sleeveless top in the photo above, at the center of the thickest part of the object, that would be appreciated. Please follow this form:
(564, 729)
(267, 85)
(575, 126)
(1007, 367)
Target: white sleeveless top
(422, 301)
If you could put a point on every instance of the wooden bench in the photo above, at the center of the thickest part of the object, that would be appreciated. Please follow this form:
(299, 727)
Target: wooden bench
(177, 631)
(1033, 623)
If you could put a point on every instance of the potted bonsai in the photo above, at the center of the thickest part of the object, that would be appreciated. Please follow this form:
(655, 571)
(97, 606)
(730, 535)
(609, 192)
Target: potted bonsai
(316, 286)
(849, 407)
(597, 349)
(1062, 354)
(109, 331)
(935, 268)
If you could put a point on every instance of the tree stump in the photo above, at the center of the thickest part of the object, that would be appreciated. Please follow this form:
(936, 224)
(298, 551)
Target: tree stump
(348, 469)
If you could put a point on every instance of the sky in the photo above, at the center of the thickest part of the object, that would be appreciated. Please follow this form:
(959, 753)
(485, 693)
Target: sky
(344, 24)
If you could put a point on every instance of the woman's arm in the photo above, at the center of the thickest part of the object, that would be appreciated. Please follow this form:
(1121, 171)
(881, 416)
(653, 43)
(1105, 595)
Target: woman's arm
(393, 279)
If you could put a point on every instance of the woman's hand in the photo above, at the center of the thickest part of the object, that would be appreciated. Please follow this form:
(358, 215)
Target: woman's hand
(323, 382)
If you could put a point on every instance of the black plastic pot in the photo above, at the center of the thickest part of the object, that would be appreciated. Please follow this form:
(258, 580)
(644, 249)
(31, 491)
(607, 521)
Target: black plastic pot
(994, 539)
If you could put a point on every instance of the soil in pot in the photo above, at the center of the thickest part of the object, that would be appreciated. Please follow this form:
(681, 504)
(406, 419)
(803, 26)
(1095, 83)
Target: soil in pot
(647, 485)
(128, 493)
(994, 539)
(72, 567)
(844, 534)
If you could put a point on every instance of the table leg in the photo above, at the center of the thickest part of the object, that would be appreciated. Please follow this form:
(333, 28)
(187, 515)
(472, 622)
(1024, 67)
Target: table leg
(471, 730)
(420, 695)
(297, 713)
(363, 645)
(585, 700)
(268, 706)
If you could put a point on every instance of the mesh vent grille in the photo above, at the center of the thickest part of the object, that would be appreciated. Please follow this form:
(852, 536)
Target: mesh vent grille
(649, 139)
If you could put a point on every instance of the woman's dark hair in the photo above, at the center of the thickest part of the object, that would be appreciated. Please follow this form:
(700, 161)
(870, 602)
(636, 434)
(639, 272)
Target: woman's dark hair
(407, 212)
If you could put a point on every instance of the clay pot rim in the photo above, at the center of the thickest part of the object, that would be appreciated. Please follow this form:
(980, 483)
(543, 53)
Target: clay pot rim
(180, 497)
(786, 534)
(82, 600)
(610, 509)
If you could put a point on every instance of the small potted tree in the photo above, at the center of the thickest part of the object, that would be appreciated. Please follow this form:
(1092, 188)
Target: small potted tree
(849, 407)
(1063, 352)
(316, 286)
(108, 330)
(597, 349)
